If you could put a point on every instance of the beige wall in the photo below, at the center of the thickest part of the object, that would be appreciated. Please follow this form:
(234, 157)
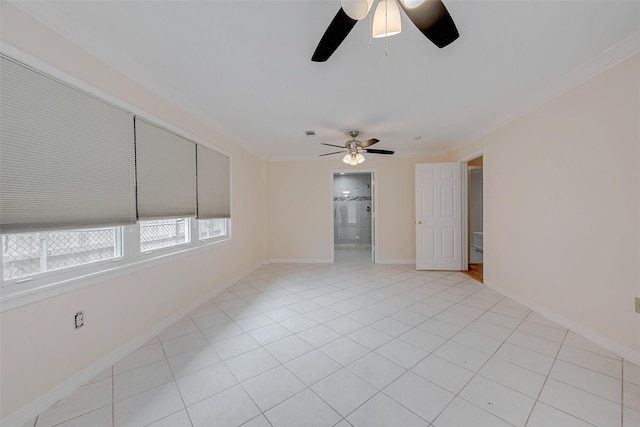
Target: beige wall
(40, 349)
(562, 205)
(300, 207)
(562, 227)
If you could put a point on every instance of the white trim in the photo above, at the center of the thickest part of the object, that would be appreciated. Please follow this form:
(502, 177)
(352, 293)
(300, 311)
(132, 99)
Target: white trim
(10, 300)
(300, 261)
(396, 261)
(40, 404)
(473, 156)
(590, 69)
(375, 217)
(331, 207)
(373, 176)
(464, 193)
(613, 346)
(465, 205)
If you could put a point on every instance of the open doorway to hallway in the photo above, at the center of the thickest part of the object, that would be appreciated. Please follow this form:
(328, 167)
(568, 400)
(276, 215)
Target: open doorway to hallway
(475, 228)
(353, 217)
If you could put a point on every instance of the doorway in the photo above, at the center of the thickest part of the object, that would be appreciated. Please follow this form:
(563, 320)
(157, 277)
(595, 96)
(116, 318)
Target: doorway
(475, 224)
(353, 217)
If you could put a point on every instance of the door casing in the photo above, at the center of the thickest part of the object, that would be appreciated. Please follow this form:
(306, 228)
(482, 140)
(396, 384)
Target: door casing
(374, 213)
(465, 207)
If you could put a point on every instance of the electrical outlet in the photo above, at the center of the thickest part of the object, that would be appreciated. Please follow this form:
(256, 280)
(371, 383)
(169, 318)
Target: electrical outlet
(637, 305)
(79, 319)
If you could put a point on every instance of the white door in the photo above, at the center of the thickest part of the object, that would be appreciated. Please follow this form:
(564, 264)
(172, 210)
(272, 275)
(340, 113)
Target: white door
(439, 216)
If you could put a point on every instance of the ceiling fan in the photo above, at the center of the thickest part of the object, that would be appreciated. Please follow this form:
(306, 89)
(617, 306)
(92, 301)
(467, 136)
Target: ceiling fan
(430, 16)
(355, 149)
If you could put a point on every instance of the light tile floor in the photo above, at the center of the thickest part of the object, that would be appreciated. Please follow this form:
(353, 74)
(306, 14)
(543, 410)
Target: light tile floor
(359, 345)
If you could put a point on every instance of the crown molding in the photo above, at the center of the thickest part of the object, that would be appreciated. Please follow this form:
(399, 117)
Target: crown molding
(616, 54)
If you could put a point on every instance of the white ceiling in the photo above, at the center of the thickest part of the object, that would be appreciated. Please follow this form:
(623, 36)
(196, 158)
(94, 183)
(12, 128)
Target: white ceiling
(244, 66)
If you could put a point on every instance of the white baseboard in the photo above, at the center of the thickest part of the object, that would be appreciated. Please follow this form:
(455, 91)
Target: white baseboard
(330, 261)
(613, 346)
(42, 403)
(395, 261)
(301, 261)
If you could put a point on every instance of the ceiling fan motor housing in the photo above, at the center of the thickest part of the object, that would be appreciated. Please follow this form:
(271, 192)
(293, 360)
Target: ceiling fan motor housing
(356, 148)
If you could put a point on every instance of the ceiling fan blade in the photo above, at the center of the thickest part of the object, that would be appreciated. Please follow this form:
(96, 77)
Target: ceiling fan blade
(332, 145)
(433, 19)
(368, 142)
(374, 151)
(337, 31)
(356, 9)
(328, 154)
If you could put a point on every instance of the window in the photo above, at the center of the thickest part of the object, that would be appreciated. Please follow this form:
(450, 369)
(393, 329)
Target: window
(28, 254)
(210, 228)
(87, 187)
(158, 234)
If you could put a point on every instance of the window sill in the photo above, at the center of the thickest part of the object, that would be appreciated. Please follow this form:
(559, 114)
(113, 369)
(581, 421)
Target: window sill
(27, 293)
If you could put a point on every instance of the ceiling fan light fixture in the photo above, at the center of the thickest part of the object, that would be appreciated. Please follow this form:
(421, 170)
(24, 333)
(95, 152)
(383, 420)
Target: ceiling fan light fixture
(412, 3)
(356, 9)
(386, 20)
(353, 159)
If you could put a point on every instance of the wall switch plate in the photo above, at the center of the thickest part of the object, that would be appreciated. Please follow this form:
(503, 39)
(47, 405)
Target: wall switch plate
(637, 305)
(79, 319)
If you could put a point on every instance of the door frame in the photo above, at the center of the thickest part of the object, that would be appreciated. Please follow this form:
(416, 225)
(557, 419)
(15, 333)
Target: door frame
(374, 214)
(465, 207)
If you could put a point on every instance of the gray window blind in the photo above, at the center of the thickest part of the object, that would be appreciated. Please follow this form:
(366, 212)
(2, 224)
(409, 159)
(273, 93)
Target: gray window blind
(66, 158)
(166, 173)
(213, 184)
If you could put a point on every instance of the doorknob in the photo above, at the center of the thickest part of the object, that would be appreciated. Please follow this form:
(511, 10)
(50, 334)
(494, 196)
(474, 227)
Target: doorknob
(419, 222)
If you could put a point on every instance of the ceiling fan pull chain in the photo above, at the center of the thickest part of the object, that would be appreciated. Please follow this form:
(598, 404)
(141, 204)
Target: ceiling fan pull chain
(371, 28)
(386, 28)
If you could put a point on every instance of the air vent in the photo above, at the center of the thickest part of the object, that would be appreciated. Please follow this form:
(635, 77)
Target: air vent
(309, 132)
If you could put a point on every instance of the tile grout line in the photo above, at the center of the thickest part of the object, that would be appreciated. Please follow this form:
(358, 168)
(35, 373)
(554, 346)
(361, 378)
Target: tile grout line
(622, 393)
(575, 386)
(380, 292)
(546, 378)
(370, 291)
(240, 383)
(113, 398)
(429, 354)
(448, 340)
(402, 291)
(175, 382)
(586, 368)
(370, 351)
(479, 369)
(416, 327)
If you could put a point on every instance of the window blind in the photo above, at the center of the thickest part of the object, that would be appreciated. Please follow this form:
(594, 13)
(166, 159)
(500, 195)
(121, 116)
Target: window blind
(213, 184)
(165, 173)
(66, 157)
